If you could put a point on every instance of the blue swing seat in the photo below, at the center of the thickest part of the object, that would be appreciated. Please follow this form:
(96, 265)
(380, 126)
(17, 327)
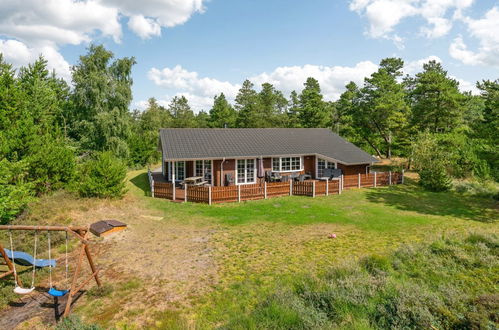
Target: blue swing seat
(57, 293)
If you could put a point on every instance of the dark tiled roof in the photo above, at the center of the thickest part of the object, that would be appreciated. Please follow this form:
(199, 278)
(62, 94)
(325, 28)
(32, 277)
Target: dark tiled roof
(199, 143)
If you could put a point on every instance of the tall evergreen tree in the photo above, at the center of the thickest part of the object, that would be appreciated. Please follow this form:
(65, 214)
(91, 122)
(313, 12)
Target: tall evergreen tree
(183, 116)
(435, 99)
(313, 110)
(246, 105)
(383, 109)
(293, 111)
(222, 113)
(271, 107)
(345, 108)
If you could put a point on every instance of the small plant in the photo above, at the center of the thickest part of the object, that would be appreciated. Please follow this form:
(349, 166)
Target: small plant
(102, 176)
(99, 292)
(73, 322)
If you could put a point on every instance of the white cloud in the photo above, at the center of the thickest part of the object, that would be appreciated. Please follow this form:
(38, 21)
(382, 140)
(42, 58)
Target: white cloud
(384, 15)
(144, 27)
(414, 67)
(486, 31)
(201, 90)
(18, 54)
(178, 78)
(42, 26)
(332, 79)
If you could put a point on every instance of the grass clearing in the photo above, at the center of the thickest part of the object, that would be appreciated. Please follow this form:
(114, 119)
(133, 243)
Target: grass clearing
(194, 265)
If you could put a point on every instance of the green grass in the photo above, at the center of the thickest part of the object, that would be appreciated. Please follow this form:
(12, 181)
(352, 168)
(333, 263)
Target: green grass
(449, 283)
(263, 246)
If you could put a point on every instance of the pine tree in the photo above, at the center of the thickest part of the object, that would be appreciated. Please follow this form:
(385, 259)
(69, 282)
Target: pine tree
(183, 116)
(246, 105)
(437, 103)
(383, 111)
(222, 114)
(313, 110)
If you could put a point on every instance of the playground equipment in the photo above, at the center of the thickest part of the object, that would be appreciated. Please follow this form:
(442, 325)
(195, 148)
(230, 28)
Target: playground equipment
(79, 233)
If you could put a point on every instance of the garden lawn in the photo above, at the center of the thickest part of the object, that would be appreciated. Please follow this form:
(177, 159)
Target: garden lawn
(261, 245)
(185, 264)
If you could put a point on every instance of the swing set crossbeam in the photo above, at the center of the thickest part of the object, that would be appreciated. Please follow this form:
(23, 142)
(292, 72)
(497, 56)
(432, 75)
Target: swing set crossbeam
(78, 232)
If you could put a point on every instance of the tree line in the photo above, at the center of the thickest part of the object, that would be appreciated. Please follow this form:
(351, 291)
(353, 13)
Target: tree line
(83, 136)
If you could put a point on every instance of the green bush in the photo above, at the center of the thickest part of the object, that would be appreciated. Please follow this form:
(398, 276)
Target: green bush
(447, 284)
(51, 165)
(483, 188)
(15, 193)
(73, 322)
(435, 179)
(102, 176)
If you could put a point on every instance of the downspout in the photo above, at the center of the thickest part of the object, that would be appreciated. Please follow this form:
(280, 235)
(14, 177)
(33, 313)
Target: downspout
(222, 172)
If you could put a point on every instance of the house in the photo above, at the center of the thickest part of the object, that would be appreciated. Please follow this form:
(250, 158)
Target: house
(232, 156)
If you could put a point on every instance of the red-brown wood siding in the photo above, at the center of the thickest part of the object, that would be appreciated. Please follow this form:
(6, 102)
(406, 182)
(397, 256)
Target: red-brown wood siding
(353, 169)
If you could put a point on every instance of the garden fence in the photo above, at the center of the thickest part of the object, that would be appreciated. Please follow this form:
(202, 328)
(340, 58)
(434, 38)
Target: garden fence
(238, 193)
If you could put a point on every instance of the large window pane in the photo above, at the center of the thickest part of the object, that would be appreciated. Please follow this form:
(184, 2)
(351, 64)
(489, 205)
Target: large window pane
(250, 170)
(285, 164)
(241, 171)
(275, 164)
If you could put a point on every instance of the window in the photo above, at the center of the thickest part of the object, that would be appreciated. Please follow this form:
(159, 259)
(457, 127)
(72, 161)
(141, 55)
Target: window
(276, 165)
(322, 164)
(286, 164)
(179, 171)
(245, 171)
(203, 169)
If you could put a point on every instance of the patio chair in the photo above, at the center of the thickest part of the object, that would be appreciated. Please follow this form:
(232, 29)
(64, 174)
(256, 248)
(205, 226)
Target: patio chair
(285, 178)
(327, 173)
(294, 176)
(229, 179)
(336, 173)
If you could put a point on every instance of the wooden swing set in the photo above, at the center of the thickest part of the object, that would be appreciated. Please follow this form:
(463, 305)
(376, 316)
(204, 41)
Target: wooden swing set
(79, 233)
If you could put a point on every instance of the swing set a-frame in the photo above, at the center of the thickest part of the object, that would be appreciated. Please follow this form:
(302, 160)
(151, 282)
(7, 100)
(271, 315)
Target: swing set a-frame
(79, 233)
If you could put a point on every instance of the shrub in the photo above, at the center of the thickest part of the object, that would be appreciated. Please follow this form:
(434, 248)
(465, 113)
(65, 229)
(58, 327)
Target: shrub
(435, 178)
(447, 284)
(102, 176)
(15, 193)
(73, 322)
(52, 165)
(483, 188)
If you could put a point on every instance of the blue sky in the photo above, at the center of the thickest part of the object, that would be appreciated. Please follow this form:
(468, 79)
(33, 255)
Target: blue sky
(200, 48)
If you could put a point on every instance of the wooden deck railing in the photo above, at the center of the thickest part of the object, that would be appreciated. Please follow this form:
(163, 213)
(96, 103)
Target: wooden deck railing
(238, 193)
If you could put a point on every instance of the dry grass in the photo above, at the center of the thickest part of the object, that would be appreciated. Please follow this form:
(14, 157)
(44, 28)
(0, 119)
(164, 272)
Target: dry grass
(192, 265)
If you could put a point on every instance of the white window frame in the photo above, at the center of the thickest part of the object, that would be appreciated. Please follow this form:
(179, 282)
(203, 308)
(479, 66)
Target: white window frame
(245, 171)
(327, 162)
(290, 164)
(177, 177)
(203, 168)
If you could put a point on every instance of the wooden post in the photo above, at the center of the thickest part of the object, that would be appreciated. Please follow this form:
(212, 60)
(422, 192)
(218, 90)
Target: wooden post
(185, 193)
(209, 195)
(390, 178)
(239, 193)
(265, 189)
(402, 181)
(374, 179)
(72, 291)
(327, 187)
(340, 184)
(290, 187)
(313, 188)
(173, 181)
(152, 186)
(358, 184)
(9, 264)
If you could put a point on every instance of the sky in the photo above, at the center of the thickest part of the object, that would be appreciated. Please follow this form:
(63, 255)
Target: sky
(200, 48)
